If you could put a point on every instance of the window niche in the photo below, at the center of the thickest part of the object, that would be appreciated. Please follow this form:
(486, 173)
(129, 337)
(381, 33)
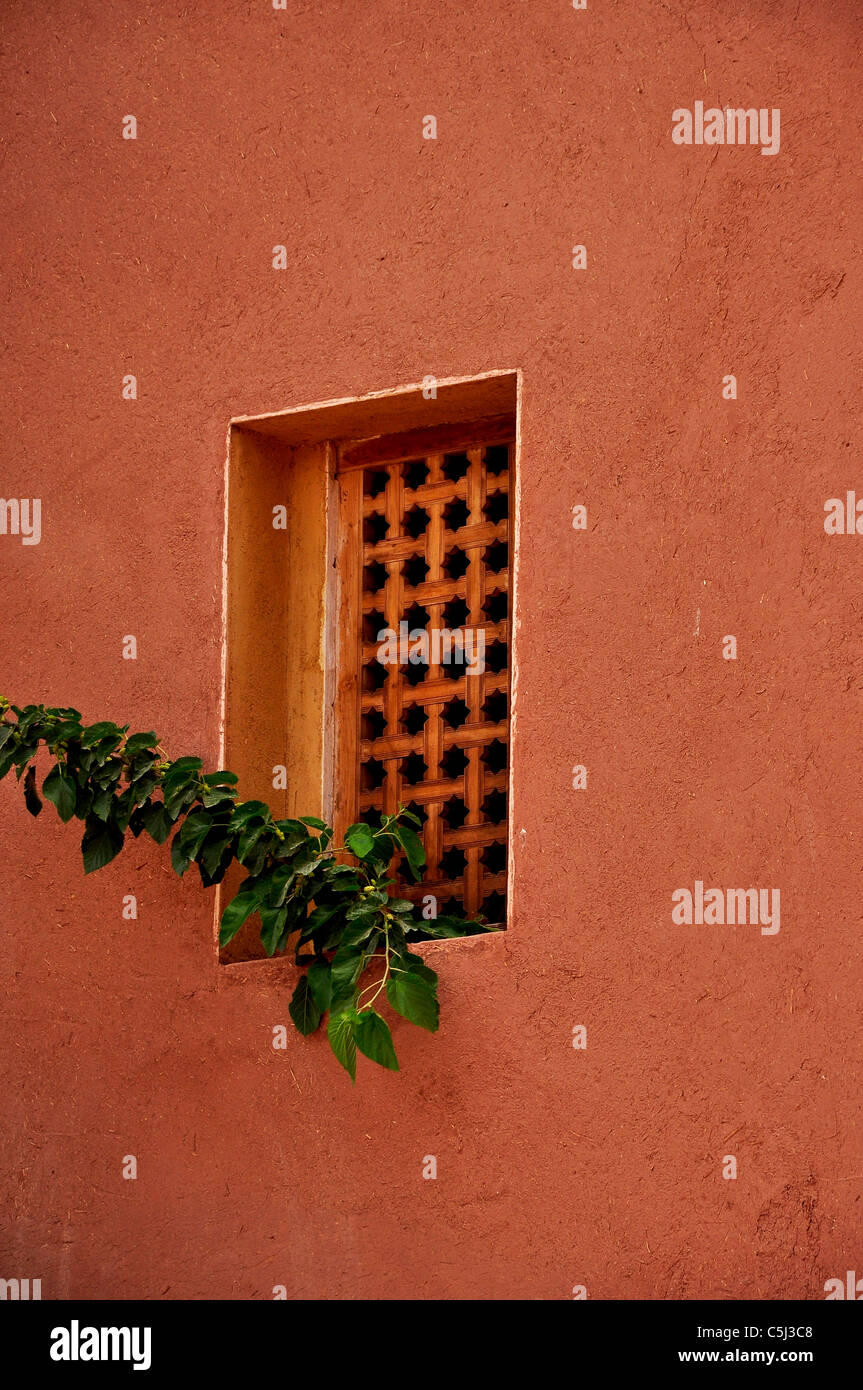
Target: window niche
(308, 573)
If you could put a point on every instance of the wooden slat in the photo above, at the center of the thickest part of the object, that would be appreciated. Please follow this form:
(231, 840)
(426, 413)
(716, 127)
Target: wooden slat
(494, 632)
(349, 636)
(469, 538)
(419, 695)
(441, 790)
(444, 589)
(400, 745)
(416, 444)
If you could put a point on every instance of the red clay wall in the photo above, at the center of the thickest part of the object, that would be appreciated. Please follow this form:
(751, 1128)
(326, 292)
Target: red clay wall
(556, 1167)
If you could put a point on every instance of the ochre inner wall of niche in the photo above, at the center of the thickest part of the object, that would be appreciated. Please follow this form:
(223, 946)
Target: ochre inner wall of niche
(275, 672)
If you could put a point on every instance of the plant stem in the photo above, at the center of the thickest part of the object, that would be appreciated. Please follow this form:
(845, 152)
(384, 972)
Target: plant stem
(381, 982)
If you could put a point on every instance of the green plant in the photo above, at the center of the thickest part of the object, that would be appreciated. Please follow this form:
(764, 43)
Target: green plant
(339, 918)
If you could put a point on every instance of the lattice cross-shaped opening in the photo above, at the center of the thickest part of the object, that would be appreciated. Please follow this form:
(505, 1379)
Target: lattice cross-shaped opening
(434, 734)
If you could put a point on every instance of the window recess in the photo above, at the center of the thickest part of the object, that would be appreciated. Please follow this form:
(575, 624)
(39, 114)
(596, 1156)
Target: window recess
(397, 506)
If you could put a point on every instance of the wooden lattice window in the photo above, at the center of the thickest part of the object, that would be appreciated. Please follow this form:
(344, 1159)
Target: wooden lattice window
(424, 541)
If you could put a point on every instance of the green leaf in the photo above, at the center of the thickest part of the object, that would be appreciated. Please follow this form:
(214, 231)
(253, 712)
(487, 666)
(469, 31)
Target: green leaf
(340, 1033)
(103, 751)
(304, 1009)
(276, 884)
(320, 983)
(247, 810)
(413, 848)
(144, 767)
(341, 878)
(102, 803)
(138, 742)
(102, 842)
(313, 821)
(32, 799)
(109, 774)
(249, 838)
(217, 796)
(124, 806)
(256, 860)
(273, 920)
(306, 864)
(180, 858)
(178, 799)
(346, 965)
(6, 732)
(220, 779)
(359, 840)
(214, 873)
(97, 733)
(324, 927)
(319, 918)
(291, 829)
(195, 829)
(135, 821)
(367, 902)
(375, 1040)
(210, 857)
(289, 847)
(235, 914)
(417, 966)
(158, 823)
(442, 926)
(385, 848)
(22, 755)
(141, 788)
(69, 729)
(414, 998)
(358, 930)
(61, 790)
(182, 770)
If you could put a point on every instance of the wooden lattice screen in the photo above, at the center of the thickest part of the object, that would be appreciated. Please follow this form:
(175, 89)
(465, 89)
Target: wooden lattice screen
(424, 539)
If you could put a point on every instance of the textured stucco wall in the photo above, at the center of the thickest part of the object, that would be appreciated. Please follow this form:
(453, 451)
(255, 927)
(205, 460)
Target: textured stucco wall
(406, 257)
